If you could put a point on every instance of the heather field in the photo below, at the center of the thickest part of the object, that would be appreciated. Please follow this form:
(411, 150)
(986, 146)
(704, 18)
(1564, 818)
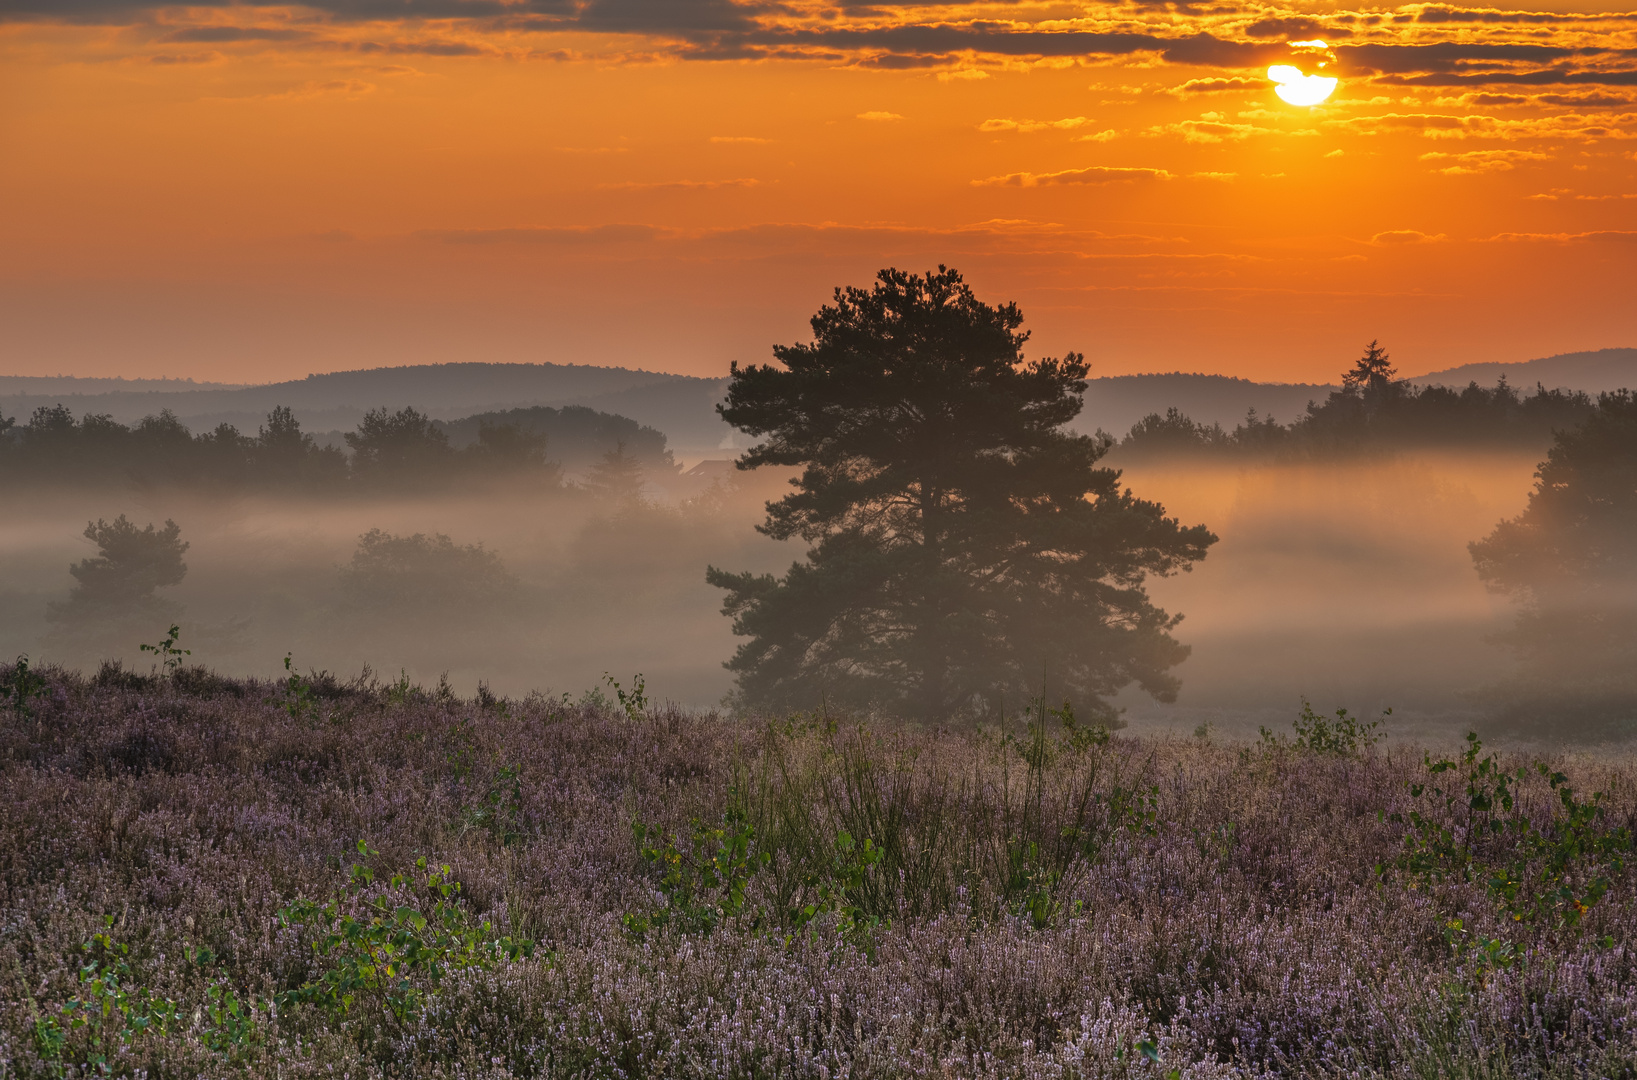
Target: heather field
(202, 876)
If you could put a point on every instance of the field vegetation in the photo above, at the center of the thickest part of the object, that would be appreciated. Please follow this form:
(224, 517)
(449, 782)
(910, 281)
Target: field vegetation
(207, 876)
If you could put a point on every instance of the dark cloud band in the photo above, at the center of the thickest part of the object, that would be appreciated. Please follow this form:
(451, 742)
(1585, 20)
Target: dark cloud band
(766, 29)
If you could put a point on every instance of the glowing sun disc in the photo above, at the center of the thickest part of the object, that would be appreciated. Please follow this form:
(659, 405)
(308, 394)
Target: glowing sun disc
(1294, 88)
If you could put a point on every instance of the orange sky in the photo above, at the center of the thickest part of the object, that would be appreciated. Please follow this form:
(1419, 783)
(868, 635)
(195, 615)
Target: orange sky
(252, 192)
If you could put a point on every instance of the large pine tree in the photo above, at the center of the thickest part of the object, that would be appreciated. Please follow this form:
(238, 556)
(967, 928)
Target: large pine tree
(964, 542)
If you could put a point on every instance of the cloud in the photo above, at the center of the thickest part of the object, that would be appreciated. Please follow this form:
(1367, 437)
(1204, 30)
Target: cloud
(216, 35)
(1435, 45)
(545, 234)
(1096, 174)
(1294, 28)
(1213, 128)
(1486, 99)
(1616, 236)
(1586, 99)
(1401, 237)
(654, 16)
(1236, 84)
(307, 91)
(877, 115)
(423, 47)
(1067, 124)
(1483, 161)
(1447, 126)
(1591, 99)
(185, 58)
(1440, 13)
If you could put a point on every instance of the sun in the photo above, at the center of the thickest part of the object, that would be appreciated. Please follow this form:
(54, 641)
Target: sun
(1296, 87)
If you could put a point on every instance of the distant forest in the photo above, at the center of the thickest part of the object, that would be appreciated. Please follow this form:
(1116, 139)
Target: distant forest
(1374, 410)
(388, 451)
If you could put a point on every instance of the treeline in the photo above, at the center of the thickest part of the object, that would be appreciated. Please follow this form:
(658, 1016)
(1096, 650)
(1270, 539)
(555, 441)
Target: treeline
(402, 450)
(1373, 410)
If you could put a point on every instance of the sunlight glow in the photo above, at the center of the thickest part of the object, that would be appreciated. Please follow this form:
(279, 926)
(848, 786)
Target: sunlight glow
(1294, 88)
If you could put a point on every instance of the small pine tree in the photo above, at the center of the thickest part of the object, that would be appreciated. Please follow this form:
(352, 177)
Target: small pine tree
(114, 593)
(617, 477)
(1371, 372)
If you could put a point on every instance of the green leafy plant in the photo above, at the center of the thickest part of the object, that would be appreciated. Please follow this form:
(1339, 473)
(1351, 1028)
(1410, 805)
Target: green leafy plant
(1474, 829)
(299, 699)
(461, 754)
(840, 887)
(1561, 872)
(391, 954)
(1345, 736)
(226, 1023)
(399, 691)
(1078, 737)
(634, 701)
(22, 686)
(166, 652)
(109, 1009)
(499, 810)
(1441, 844)
(1487, 954)
(703, 884)
(229, 1023)
(1038, 857)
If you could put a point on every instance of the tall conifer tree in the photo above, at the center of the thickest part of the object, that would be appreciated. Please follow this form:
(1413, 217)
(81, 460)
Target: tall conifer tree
(964, 542)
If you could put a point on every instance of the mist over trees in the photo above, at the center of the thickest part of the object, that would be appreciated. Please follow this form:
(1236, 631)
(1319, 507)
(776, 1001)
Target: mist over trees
(964, 543)
(390, 451)
(1373, 410)
(1570, 561)
(616, 478)
(421, 575)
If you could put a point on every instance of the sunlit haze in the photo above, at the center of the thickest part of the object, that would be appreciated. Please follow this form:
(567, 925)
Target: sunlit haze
(256, 191)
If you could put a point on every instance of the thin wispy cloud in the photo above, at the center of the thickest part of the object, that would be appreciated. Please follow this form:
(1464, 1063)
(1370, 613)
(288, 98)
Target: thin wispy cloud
(1096, 174)
(1025, 126)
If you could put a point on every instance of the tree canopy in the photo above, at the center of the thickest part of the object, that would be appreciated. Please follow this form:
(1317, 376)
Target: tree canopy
(121, 579)
(420, 573)
(1372, 411)
(1570, 558)
(963, 541)
(521, 449)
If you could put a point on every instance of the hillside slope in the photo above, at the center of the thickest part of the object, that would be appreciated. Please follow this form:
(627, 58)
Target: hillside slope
(1601, 369)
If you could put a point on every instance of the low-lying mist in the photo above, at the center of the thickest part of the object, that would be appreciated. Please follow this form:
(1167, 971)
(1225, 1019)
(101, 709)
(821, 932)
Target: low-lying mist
(576, 587)
(1347, 582)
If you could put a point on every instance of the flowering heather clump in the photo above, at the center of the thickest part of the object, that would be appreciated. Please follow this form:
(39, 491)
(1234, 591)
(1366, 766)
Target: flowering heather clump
(209, 876)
